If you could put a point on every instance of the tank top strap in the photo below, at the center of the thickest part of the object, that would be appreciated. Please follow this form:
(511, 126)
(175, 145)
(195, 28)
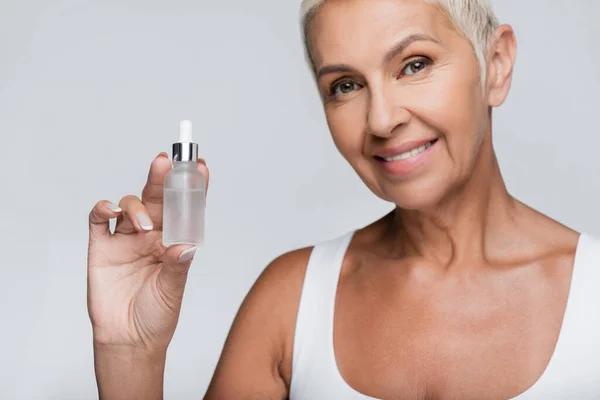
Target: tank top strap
(312, 359)
(574, 367)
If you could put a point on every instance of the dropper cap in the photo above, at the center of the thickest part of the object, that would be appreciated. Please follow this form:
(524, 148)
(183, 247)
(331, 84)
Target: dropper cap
(185, 149)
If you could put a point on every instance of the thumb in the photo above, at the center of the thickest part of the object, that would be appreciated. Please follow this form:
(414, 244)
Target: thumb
(173, 274)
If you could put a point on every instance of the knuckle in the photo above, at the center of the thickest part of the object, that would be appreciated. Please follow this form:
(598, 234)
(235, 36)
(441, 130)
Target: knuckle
(147, 190)
(128, 201)
(99, 204)
(96, 210)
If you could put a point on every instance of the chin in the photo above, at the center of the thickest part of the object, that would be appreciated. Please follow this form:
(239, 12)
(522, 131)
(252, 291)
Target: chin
(419, 195)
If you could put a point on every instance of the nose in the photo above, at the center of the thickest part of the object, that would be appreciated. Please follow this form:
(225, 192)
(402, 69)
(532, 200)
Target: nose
(386, 113)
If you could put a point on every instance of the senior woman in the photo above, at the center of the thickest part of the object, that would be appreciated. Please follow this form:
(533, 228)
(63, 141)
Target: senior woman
(461, 292)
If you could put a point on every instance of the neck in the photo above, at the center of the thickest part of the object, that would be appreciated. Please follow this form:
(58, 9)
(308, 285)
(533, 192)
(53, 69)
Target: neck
(459, 229)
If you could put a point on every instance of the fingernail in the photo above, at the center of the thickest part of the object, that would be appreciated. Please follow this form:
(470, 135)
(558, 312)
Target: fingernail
(187, 254)
(144, 221)
(162, 154)
(113, 207)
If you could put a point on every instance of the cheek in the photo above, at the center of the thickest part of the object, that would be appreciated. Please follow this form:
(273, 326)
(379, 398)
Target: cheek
(346, 123)
(450, 104)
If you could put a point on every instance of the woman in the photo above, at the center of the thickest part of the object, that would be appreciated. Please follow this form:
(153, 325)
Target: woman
(459, 293)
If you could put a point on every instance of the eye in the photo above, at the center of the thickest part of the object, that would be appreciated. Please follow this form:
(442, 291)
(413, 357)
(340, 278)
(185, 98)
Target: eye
(415, 66)
(343, 87)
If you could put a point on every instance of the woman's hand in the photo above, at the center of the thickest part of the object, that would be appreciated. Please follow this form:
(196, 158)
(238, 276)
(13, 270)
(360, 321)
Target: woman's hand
(135, 284)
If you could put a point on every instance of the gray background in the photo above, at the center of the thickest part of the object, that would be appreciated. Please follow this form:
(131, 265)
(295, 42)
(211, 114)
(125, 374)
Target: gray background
(91, 91)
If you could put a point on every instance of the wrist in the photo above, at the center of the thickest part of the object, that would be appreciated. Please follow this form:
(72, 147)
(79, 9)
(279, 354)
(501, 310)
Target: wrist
(131, 352)
(129, 372)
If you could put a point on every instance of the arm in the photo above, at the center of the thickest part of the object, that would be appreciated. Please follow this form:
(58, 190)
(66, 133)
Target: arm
(256, 358)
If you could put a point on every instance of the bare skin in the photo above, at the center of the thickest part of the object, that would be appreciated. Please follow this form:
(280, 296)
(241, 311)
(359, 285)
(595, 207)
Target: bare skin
(422, 330)
(458, 293)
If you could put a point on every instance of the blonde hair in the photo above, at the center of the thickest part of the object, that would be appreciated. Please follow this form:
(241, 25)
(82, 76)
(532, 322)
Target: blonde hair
(474, 19)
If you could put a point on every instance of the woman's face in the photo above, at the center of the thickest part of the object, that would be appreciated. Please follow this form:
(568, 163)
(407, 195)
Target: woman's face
(402, 95)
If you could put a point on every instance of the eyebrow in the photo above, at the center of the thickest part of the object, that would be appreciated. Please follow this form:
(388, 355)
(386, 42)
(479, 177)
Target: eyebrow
(393, 52)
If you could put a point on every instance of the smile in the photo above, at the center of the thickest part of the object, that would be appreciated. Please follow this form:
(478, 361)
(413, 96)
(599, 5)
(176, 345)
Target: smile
(410, 153)
(407, 162)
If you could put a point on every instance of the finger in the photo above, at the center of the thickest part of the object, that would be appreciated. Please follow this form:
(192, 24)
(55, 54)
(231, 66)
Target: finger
(173, 274)
(134, 217)
(99, 218)
(152, 194)
(204, 170)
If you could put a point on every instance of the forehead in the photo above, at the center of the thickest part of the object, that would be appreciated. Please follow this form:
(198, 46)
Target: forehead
(347, 29)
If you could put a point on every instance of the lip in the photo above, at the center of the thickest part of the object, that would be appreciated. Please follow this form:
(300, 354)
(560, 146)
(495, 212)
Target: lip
(408, 165)
(394, 151)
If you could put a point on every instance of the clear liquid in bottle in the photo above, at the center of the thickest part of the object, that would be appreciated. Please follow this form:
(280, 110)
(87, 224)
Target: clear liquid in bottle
(184, 194)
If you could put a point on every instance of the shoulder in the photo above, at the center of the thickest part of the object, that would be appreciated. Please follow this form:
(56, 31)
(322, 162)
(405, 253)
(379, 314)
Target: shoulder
(275, 295)
(259, 340)
(279, 286)
(285, 269)
(273, 302)
(277, 290)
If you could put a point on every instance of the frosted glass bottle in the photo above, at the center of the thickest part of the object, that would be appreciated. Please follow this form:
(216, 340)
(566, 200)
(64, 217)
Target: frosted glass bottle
(184, 194)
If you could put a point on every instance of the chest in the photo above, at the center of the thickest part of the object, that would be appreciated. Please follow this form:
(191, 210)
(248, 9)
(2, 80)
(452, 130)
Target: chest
(420, 338)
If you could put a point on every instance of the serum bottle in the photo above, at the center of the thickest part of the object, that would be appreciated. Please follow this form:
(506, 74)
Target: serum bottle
(184, 193)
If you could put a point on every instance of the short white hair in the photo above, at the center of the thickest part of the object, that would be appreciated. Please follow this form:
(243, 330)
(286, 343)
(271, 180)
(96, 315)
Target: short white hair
(473, 19)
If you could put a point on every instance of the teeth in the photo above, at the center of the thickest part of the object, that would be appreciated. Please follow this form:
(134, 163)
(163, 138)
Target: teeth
(410, 153)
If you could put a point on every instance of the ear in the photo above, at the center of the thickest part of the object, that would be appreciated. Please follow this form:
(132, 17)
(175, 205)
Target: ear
(501, 60)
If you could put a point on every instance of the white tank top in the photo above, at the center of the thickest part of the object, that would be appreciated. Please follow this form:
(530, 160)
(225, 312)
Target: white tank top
(573, 371)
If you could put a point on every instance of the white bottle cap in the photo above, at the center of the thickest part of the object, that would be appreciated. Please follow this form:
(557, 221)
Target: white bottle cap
(185, 132)
(185, 149)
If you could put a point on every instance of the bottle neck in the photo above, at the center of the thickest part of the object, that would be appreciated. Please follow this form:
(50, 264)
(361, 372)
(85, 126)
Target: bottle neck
(184, 164)
(183, 152)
